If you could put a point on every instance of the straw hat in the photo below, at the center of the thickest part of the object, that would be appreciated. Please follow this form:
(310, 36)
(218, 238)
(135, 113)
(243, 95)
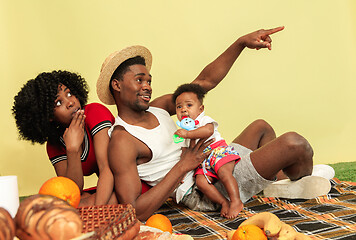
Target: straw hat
(111, 63)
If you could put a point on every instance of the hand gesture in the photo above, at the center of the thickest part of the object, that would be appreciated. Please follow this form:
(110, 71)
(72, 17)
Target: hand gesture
(73, 136)
(192, 156)
(260, 39)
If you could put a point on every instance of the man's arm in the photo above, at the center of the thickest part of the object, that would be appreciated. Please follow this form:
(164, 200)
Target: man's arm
(123, 152)
(214, 72)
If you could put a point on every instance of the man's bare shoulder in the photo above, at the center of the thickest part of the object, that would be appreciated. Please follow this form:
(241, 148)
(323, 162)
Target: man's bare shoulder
(119, 132)
(123, 150)
(127, 148)
(121, 138)
(126, 145)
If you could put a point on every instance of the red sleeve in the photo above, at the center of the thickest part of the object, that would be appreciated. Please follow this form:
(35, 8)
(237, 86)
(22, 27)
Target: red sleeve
(97, 117)
(56, 153)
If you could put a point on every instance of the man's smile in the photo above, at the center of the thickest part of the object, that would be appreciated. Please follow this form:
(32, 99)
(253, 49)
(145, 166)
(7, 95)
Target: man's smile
(146, 97)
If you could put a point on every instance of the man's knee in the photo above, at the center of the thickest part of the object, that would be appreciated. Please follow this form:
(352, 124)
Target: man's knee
(262, 124)
(297, 144)
(265, 130)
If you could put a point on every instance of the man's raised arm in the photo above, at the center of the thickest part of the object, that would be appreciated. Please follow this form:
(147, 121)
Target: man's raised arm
(214, 72)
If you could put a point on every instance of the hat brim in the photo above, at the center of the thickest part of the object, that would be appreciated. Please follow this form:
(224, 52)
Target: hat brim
(110, 65)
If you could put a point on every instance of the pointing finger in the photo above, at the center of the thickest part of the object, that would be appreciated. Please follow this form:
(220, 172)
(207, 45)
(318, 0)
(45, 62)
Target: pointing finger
(273, 30)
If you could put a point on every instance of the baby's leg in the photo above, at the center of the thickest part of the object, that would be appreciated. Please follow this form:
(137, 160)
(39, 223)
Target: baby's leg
(212, 193)
(232, 188)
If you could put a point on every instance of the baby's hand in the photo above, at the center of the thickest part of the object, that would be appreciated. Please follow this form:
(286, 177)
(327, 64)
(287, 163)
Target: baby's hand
(182, 133)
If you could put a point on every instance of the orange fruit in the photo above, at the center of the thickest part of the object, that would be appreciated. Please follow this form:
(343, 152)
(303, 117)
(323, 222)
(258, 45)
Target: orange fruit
(159, 221)
(63, 188)
(249, 232)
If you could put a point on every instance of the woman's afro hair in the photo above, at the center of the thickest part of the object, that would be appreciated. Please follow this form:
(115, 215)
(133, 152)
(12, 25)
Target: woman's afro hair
(34, 104)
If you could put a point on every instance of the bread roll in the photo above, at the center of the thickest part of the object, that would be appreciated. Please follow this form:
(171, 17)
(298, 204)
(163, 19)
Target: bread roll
(47, 217)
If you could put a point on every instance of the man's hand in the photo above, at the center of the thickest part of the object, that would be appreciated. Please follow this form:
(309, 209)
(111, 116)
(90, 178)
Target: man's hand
(259, 39)
(192, 156)
(74, 134)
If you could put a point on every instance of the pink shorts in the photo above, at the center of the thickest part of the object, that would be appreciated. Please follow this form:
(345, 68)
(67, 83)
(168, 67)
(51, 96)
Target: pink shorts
(220, 154)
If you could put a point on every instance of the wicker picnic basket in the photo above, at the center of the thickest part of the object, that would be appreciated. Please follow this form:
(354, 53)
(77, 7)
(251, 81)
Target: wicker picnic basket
(109, 222)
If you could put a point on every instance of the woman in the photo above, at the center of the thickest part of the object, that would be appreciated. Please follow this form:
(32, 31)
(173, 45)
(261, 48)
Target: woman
(52, 108)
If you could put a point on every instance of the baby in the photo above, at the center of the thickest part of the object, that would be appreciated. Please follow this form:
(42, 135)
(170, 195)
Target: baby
(188, 99)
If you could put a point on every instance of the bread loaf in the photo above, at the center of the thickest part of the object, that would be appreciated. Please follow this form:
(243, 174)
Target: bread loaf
(47, 217)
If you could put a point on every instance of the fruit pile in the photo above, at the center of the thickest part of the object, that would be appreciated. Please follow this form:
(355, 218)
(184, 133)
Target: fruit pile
(263, 226)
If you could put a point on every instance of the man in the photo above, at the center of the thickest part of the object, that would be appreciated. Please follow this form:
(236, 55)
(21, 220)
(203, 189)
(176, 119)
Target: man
(142, 148)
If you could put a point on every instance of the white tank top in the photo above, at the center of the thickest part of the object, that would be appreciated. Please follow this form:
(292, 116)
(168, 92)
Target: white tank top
(165, 153)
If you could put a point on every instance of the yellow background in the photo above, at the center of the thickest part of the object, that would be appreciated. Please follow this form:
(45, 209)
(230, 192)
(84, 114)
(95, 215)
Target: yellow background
(306, 83)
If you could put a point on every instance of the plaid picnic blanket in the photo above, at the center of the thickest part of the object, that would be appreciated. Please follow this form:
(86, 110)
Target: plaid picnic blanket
(332, 216)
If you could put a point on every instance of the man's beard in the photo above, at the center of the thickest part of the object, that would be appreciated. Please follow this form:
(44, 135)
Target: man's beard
(139, 107)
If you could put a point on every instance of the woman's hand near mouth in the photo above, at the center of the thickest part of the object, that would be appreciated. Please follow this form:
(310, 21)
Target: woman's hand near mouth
(74, 134)
(73, 138)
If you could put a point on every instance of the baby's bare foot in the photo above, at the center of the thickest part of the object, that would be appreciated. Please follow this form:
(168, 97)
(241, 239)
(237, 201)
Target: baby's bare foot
(224, 209)
(234, 209)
